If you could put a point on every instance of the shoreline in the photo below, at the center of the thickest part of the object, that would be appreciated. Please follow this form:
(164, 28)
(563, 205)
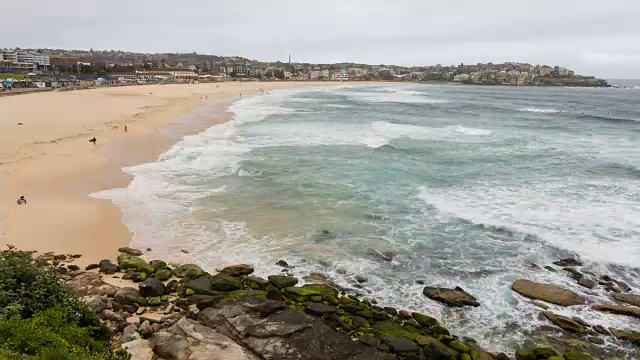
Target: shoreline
(47, 158)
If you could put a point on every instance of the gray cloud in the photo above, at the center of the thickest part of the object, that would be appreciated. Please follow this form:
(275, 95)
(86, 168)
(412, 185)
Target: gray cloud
(590, 36)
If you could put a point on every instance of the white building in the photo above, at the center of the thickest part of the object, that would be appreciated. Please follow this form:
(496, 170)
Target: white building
(461, 78)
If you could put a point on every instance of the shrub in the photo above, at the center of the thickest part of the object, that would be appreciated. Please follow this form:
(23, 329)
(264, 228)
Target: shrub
(41, 317)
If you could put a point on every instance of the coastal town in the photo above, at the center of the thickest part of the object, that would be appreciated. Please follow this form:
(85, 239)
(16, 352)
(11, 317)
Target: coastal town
(56, 67)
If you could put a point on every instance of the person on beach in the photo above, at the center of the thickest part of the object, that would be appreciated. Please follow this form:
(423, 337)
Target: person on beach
(21, 200)
(125, 128)
(93, 140)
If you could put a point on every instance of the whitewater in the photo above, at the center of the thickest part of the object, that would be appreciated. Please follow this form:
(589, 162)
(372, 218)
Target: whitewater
(455, 185)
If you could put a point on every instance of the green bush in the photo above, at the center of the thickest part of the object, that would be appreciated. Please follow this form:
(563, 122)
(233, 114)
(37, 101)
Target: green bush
(42, 318)
(27, 287)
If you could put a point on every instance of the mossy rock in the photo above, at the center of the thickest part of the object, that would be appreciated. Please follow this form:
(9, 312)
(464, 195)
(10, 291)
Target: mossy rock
(424, 320)
(172, 286)
(154, 301)
(139, 277)
(358, 321)
(316, 299)
(525, 355)
(147, 269)
(394, 330)
(331, 300)
(544, 352)
(459, 346)
(189, 292)
(312, 290)
(465, 357)
(163, 274)
(130, 251)
(130, 274)
(158, 264)
(127, 261)
(439, 329)
(436, 349)
(224, 282)
(283, 281)
(245, 294)
(365, 314)
(556, 358)
(164, 298)
(256, 282)
(188, 270)
(576, 355)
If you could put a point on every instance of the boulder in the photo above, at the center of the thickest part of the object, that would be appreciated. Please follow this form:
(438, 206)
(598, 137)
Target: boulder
(436, 349)
(190, 340)
(317, 309)
(107, 314)
(163, 274)
(309, 290)
(575, 274)
(107, 267)
(257, 283)
(402, 346)
(224, 282)
(91, 267)
(201, 285)
(547, 292)
(273, 331)
(568, 262)
(632, 336)
(544, 352)
(627, 298)
(145, 329)
(565, 323)
(586, 282)
(525, 355)
(130, 333)
(424, 320)
(129, 296)
(97, 303)
(130, 251)
(245, 294)
(203, 301)
(139, 349)
(85, 284)
(151, 287)
(238, 270)
(158, 264)
(459, 346)
(131, 262)
(283, 281)
(282, 263)
(452, 297)
(368, 340)
(188, 270)
(631, 311)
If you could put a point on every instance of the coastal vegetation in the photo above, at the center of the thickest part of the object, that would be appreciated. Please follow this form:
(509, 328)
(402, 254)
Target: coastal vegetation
(42, 318)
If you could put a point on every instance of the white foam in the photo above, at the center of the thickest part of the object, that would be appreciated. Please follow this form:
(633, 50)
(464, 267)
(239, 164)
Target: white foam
(539, 110)
(580, 223)
(393, 96)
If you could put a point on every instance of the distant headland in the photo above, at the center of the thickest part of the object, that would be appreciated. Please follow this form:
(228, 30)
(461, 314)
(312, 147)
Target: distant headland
(120, 66)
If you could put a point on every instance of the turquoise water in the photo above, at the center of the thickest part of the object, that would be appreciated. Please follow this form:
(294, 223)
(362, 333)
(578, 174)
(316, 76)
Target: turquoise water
(451, 185)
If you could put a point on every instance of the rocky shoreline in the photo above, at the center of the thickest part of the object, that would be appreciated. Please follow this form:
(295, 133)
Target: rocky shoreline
(172, 311)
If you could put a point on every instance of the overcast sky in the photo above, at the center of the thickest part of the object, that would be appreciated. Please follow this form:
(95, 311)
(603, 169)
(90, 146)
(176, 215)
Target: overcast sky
(595, 37)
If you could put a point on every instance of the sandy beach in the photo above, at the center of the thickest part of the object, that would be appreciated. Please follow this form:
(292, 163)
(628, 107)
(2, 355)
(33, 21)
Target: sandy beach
(45, 155)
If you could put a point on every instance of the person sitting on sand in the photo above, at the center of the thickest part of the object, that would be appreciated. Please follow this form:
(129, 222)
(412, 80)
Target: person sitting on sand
(93, 140)
(21, 200)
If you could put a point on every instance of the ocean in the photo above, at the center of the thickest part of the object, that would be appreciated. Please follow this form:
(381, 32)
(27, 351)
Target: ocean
(447, 185)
